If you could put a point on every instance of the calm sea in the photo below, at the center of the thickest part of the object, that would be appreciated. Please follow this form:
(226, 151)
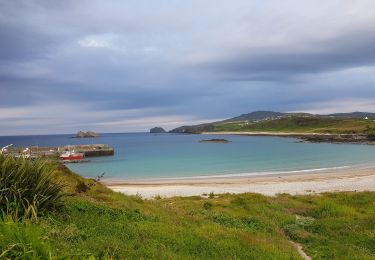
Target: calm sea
(144, 155)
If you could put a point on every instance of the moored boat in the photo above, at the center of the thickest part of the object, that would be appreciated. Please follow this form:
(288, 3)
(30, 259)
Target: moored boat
(72, 156)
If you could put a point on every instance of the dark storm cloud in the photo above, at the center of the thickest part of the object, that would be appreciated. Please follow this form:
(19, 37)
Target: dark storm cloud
(17, 92)
(19, 44)
(342, 52)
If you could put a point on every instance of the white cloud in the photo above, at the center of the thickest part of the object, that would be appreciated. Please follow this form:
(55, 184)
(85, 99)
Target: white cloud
(106, 40)
(91, 43)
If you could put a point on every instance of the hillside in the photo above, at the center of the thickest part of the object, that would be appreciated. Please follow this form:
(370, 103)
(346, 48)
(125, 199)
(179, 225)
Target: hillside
(255, 115)
(354, 115)
(268, 121)
(99, 223)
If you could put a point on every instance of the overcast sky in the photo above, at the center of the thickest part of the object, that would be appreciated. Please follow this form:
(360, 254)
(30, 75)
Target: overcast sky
(123, 66)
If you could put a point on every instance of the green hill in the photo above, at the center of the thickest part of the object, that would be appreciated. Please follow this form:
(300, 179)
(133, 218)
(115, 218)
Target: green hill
(266, 121)
(301, 124)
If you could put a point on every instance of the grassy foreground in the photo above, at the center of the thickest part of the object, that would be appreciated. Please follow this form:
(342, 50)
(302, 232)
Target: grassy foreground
(98, 223)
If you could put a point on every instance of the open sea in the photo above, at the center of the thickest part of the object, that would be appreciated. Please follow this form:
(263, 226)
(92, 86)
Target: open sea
(144, 155)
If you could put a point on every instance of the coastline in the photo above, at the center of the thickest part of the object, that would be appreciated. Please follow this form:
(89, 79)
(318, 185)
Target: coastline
(286, 134)
(330, 180)
(311, 137)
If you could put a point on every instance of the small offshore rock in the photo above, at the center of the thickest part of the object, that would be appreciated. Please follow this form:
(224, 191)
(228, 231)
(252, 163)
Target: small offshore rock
(214, 141)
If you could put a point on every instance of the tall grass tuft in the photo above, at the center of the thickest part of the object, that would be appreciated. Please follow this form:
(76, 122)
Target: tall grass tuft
(27, 189)
(22, 240)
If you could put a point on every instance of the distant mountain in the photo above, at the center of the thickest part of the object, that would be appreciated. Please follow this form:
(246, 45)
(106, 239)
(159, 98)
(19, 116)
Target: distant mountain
(207, 127)
(259, 115)
(254, 116)
(354, 115)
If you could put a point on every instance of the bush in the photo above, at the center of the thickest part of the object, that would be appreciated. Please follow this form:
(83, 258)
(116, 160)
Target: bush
(27, 189)
(370, 131)
(371, 136)
(82, 187)
(207, 205)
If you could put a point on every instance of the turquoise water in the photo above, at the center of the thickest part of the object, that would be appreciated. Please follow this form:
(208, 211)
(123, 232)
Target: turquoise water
(143, 155)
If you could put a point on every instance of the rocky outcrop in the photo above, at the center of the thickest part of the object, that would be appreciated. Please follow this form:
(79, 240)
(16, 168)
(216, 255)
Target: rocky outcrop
(339, 138)
(157, 130)
(88, 134)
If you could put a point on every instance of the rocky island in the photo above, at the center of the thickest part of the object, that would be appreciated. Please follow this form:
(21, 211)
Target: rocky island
(88, 134)
(157, 130)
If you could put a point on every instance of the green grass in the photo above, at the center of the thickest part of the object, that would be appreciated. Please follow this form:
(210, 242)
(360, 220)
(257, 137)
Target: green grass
(23, 241)
(302, 124)
(99, 223)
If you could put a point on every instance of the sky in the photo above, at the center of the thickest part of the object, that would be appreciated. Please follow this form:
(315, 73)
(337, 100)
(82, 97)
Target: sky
(127, 66)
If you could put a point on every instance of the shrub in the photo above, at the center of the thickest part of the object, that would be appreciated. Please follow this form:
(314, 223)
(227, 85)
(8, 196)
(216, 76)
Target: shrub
(207, 205)
(82, 187)
(27, 189)
(370, 131)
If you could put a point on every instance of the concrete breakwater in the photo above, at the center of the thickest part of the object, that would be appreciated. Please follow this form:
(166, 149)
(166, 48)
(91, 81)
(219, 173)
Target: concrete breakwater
(90, 150)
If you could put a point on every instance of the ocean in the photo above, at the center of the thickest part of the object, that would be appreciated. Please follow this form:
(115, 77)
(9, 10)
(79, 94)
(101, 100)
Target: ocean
(144, 155)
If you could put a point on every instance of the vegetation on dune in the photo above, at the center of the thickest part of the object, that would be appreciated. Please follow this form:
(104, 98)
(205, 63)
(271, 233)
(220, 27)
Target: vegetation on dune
(100, 223)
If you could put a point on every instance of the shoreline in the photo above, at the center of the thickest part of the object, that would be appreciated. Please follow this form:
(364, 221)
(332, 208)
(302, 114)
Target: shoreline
(310, 137)
(265, 133)
(331, 180)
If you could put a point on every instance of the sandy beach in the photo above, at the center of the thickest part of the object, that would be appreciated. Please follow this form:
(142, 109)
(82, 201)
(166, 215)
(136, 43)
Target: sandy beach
(345, 179)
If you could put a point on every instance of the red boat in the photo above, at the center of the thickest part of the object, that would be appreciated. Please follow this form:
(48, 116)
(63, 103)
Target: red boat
(72, 156)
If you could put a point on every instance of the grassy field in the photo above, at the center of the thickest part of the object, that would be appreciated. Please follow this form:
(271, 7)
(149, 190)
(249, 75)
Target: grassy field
(301, 124)
(98, 223)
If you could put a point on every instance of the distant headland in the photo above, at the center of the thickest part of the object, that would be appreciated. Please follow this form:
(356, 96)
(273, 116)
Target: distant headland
(157, 130)
(356, 127)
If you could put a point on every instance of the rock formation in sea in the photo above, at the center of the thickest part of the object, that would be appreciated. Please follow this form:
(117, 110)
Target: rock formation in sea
(214, 141)
(88, 134)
